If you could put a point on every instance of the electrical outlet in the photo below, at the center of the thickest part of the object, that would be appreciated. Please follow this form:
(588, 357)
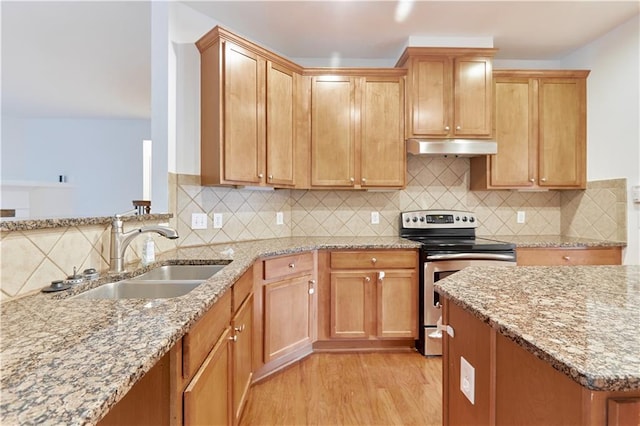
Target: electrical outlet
(217, 220)
(467, 380)
(375, 218)
(520, 217)
(198, 221)
(279, 218)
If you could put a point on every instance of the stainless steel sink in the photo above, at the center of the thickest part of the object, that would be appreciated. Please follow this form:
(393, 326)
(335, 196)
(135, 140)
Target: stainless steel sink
(180, 272)
(163, 282)
(137, 289)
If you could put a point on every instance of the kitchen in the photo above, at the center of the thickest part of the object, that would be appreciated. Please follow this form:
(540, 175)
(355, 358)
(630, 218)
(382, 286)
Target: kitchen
(248, 214)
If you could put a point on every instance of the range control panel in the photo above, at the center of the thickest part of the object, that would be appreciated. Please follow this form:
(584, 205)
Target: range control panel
(422, 219)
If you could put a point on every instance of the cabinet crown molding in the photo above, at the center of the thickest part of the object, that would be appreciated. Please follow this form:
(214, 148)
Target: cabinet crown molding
(411, 52)
(541, 73)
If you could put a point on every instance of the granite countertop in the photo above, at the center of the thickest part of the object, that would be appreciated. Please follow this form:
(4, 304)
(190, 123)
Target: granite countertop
(583, 320)
(20, 224)
(68, 361)
(553, 241)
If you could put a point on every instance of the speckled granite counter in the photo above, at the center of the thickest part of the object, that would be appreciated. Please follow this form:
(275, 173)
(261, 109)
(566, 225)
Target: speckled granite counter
(583, 320)
(68, 361)
(549, 241)
(18, 224)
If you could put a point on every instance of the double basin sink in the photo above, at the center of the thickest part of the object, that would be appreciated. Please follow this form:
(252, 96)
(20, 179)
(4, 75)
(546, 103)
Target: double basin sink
(163, 282)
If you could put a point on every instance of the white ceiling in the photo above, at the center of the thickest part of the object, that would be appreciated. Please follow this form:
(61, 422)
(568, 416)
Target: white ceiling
(92, 59)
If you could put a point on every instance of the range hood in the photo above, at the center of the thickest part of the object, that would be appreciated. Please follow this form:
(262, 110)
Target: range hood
(451, 147)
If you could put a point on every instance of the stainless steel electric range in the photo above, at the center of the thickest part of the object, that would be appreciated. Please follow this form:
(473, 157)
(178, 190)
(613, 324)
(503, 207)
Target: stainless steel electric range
(449, 244)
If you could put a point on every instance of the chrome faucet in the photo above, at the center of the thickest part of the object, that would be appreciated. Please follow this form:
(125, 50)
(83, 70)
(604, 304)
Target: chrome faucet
(121, 240)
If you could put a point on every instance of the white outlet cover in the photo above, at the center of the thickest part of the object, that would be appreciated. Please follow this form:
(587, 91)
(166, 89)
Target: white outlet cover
(279, 218)
(520, 217)
(375, 218)
(217, 220)
(467, 380)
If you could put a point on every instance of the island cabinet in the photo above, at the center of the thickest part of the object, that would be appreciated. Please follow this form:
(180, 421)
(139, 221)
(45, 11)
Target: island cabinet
(357, 129)
(508, 385)
(285, 314)
(540, 127)
(557, 256)
(448, 92)
(369, 299)
(249, 113)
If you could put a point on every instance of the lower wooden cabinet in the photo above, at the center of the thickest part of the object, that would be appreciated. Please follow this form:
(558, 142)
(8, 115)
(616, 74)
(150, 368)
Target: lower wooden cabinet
(557, 256)
(514, 387)
(206, 400)
(285, 311)
(241, 358)
(371, 302)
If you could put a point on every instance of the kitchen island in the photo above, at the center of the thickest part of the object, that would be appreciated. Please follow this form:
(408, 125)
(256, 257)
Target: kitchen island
(69, 361)
(548, 345)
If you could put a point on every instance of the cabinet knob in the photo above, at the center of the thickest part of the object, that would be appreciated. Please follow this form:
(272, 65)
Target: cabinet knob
(233, 338)
(239, 329)
(352, 180)
(543, 179)
(567, 258)
(367, 279)
(292, 265)
(270, 177)
(532, 180)
(364, 180)
(312, 283)
(458, 127)
(447, 128)
(261, 175)
(374, 260)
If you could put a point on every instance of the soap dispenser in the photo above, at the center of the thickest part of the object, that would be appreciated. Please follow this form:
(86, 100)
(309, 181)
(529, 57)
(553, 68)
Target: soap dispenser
(148, 251)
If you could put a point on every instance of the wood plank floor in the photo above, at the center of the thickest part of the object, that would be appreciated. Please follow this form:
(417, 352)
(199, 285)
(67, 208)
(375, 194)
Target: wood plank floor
(350, 389)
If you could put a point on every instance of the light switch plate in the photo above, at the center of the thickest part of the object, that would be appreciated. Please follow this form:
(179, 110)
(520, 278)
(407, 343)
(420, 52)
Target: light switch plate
(217, 220)
(279, 218)
(198, 221)
(467, 380)
(520, 217)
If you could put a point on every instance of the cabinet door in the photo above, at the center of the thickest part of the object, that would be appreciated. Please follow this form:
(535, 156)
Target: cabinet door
(382, 135)
(562, 130)
(332, 131)
(288, 316)
(397, 304)
(351, 310)
(206, 399)
(472, 94)
(431, 80)
(242, 326)
(280, 125)
(244, 98)
(514, 165)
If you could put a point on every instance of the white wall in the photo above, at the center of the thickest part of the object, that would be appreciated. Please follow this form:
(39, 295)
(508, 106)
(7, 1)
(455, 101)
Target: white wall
(102, 158)
(613, 113)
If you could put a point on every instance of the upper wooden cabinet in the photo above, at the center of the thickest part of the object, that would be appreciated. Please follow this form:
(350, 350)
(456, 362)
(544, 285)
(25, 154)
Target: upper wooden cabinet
(357, 130)
(540, 127)
(448, 92)
(248, 113)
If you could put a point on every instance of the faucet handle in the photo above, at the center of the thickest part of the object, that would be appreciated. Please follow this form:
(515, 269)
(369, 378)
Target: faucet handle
(127, 213)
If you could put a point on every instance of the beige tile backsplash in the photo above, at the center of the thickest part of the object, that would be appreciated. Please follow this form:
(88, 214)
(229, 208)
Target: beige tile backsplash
(32, 259)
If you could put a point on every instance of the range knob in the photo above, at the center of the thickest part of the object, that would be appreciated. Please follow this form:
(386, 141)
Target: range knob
(457, 218)
(464, 218)
(421, 219)
(408, 220)
(415, 219)
(472, 219)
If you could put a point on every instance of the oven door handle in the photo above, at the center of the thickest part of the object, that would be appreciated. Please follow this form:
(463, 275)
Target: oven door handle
(472, 256)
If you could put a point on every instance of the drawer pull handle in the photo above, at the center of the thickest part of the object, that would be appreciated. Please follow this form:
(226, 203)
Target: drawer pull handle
(292, 265)
(374, 260)
(567, 258)
(367, 279)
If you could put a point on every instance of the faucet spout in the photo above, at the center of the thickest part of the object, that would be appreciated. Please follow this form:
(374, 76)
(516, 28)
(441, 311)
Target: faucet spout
(120, 240)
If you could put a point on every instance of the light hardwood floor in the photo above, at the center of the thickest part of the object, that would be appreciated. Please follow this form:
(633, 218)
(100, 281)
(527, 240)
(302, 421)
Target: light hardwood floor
(350, 389)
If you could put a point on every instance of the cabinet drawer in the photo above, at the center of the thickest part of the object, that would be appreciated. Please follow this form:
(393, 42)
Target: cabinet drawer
(242, 288)
(374, 259)
(197, 343)
(281, 267)
(569, 256)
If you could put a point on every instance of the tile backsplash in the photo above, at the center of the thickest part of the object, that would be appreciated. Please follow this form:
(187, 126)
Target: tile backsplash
(32, 259)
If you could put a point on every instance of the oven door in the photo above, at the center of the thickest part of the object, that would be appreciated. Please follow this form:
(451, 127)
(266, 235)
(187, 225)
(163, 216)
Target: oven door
(430, 342)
